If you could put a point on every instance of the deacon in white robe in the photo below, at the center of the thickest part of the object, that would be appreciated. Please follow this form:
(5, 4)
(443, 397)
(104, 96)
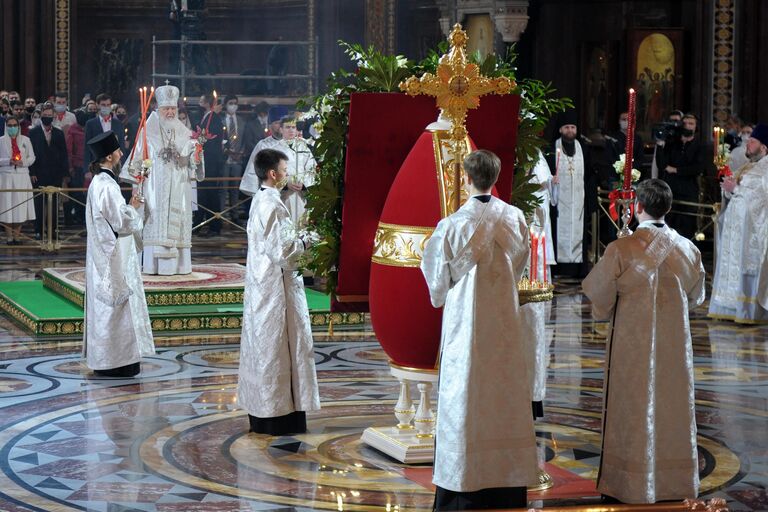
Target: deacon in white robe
(277, 380)
(645, 284)
(301, 170)
(249, 184)
(485, 447)
(740, 286)
(117, 330)
(167, 191)
(536, 314)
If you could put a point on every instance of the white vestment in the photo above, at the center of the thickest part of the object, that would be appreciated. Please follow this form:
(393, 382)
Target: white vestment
(249, 183)
(472, 263)
(646, 283)
(541, 222)
(277, 367)
(740, 286)
(17, 206)
(300, 169)
(569, 200)
(117, 329)
(738, 158)
(168, 232)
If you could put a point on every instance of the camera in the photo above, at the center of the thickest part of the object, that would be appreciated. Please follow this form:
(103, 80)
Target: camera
(665, 130)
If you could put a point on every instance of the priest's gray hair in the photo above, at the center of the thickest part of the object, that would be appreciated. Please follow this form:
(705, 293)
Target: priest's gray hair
(483, 167)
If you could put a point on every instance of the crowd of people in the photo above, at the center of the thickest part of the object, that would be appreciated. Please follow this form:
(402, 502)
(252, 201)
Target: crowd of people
(51, 137)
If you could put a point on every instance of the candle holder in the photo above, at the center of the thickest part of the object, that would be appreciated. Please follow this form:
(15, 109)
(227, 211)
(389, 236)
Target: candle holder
(626, 216)
(139, 169)
(529, 291)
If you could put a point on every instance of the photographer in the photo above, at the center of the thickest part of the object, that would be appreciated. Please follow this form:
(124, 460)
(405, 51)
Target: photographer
(680, 161)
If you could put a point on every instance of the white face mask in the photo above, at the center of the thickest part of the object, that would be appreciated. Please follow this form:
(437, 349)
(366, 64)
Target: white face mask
(623, 124)
(745, 137)
(231, 109)
(60, 108)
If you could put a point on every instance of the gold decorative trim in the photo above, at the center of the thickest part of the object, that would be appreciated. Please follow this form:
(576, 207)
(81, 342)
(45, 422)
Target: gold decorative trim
(537, 291)
(444, 166)
(722, 60)
(61, 289)
(62, 42)
(400, 246)
(411, 369)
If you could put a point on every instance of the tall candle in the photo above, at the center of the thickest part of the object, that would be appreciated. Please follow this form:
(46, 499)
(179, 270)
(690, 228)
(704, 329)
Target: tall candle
(543, 243)
(144, 132)
(534, 273)
(557, 162)
(210, 112)
(630, 146)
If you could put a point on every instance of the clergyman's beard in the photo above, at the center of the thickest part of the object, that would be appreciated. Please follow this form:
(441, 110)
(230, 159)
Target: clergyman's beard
(167, 124)
(755, 157)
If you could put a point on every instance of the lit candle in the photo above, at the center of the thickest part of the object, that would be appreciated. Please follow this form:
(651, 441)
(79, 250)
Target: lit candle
(145, 109)
(557, 162)
(210, 112)
(716, 140)
(630, 146)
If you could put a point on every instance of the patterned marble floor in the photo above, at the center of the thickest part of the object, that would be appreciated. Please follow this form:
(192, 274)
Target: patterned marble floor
(175, 440)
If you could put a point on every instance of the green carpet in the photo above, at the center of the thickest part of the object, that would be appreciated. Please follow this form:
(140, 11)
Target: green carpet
(42, 311)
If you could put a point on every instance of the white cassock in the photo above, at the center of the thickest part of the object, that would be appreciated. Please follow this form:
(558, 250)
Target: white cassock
(277, 366)
(569, 199)
(117, 329)
(472, 263)
(17, 206)
(536, 314)
(300, 169)
(740, 286)
(249, 183)
(167, 191)
(646, 283)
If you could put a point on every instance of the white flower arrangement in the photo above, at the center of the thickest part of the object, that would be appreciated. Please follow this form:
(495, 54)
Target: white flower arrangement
(619, 165)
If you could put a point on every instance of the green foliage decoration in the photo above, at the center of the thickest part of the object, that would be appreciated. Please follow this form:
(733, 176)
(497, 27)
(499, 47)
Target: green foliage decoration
(377, 72)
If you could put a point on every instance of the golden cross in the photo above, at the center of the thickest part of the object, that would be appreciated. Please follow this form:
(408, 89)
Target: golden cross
(457, 87)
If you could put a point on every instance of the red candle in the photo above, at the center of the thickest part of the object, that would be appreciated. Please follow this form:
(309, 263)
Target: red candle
(544, 255)
(144, 131)
(630, 141)
(533, 274)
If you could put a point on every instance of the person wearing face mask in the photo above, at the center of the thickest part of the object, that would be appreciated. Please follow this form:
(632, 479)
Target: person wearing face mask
(103, 122)
(738, 157)
(680, 164)
(51, 163)
(618, 143)
(733, 132)
(17, 111)
(16, 155)
(62, 118)
(234, 125)
(120, 113)
(29, 106)
(73, 211)
(249, 185)
(34, 119)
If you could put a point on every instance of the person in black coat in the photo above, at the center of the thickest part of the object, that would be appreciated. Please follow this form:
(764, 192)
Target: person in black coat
(208, 195)
(680, 163)
(103, 122)
(51, 163)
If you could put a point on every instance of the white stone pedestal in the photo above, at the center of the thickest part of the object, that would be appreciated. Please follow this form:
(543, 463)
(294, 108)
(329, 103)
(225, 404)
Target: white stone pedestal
(412, 439)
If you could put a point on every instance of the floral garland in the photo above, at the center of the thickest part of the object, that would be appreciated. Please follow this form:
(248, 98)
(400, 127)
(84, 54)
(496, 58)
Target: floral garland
(377, 72)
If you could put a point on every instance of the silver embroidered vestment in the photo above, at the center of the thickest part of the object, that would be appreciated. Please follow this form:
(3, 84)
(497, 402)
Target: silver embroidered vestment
(277, 367)
(485, 436)
(117, 329)
(647, 282)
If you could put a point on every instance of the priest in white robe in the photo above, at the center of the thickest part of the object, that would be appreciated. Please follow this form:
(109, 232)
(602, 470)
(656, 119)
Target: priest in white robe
(277, 380)
(301, 169)
(117, 331)
(740, 287)
(645, 284)
(485, 447)
(569, 161)
(172, 149)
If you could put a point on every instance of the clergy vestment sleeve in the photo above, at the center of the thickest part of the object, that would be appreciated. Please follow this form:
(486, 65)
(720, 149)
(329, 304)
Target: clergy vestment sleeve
(122, 218)
(601, 284)
(435, 265)
(697, 292)
(282, 246)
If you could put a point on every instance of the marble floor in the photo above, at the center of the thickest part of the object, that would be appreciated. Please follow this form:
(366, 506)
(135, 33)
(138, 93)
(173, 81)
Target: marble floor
(174, 440)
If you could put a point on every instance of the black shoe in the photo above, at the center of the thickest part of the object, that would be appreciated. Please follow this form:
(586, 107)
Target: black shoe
(609, 500)
(129, 370)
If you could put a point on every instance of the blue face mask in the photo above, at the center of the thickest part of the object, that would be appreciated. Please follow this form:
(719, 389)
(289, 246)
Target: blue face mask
(12, 131)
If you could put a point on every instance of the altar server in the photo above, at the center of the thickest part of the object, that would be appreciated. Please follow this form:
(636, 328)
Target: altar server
(117, 331)
(277, 381)
(485, 449)
(645, 283)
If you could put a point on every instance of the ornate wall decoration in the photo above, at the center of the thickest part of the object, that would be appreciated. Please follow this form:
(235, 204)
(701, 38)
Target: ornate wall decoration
(722, 60)
(62, 41)
(380, 25)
